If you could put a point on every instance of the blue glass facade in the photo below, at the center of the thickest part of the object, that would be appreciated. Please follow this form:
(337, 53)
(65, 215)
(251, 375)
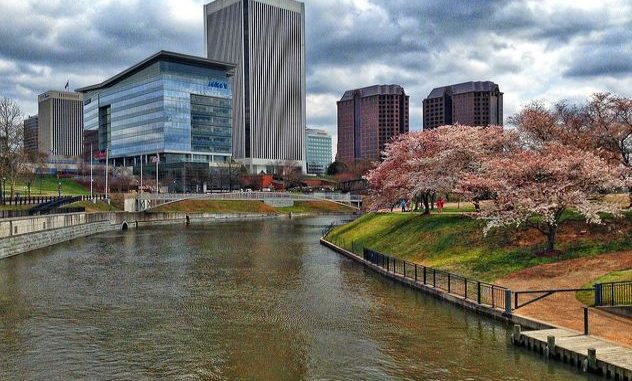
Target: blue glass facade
(318, 151)
(171, 108)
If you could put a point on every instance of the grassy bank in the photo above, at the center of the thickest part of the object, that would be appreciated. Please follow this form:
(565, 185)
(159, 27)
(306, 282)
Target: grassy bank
(248, 206)
(456, 242)
(588, 298)
(90, 207)
(47, 186)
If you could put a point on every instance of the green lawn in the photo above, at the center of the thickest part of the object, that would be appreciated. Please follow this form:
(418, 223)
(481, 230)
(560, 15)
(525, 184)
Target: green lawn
(587, 297)
(90, 207)
(456, 242)
(47, 185)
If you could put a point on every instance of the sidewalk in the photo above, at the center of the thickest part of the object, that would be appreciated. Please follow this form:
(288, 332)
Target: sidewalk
(563, 309)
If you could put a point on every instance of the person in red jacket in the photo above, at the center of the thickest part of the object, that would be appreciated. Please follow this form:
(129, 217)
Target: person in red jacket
(440, 203)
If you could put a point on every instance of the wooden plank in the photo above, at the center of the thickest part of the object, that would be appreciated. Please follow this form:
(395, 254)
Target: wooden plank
(611, 354)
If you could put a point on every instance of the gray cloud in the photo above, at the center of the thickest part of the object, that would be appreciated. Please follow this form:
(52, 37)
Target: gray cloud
(532, 50)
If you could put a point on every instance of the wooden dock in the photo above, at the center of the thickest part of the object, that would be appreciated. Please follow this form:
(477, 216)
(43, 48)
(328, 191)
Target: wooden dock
(586, 352)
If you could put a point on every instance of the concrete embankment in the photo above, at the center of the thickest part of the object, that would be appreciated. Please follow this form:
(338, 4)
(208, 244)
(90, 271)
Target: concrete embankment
(21, 235)
(494, 313)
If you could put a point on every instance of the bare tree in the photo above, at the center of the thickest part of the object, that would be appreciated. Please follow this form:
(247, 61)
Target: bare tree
(13, 158)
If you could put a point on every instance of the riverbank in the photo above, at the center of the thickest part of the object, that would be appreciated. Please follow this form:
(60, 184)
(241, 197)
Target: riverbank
(21, 235)
(456, 242)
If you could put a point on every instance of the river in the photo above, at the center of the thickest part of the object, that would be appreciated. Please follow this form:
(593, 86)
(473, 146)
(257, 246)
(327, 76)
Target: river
(259, 300)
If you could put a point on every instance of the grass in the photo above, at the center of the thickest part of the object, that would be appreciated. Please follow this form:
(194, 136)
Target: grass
(587, 297)
(46, 185)
(456, 243)
(316, 207)
(213, 206)
(90, 207)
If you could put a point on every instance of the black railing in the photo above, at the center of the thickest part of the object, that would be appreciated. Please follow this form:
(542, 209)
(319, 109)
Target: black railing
(613, 294)
(469, 289)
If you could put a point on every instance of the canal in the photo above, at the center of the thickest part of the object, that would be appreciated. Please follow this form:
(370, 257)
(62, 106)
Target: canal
(236, 301)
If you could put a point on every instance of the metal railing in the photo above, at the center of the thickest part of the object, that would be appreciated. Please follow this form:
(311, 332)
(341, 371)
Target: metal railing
(340, 197)
(470, 289)
(613, 294)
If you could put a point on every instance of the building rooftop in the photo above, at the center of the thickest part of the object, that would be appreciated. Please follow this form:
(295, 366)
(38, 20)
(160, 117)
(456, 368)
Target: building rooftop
(315, 131)
(374, 90)
(162, 55)
(465, 87)
(59, 94)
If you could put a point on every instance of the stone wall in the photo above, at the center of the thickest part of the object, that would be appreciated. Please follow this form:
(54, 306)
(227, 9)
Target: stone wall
(20, 235)
(22, 243)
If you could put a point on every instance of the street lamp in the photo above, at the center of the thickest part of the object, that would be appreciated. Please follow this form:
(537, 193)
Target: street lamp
(4, 181)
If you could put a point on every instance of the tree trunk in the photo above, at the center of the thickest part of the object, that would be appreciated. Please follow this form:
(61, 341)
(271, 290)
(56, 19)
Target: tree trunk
(477, 205)
(426, 201)
(630, 198)
(550, 238)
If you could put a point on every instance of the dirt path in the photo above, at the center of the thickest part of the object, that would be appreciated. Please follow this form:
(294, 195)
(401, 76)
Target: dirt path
(563, 309)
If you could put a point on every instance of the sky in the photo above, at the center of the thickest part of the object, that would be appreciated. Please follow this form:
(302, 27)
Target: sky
(546, 50)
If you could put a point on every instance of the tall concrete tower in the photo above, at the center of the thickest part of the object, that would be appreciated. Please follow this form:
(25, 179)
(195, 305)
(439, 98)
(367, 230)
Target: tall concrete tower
(266, 40)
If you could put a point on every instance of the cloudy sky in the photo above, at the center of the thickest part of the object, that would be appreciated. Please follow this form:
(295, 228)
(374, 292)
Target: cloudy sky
(547, 50)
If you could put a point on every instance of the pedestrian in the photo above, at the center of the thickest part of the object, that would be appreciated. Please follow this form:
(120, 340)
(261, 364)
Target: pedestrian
(440, 203)
(403, 205)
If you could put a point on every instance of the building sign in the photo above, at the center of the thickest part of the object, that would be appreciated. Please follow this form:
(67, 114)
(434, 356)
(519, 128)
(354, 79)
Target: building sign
(218, 85)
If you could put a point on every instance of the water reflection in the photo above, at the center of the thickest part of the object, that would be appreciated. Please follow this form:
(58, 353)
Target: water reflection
(235, 301)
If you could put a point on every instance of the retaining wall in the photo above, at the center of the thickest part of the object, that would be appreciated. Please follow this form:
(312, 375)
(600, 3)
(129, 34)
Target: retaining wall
(20, 235)
(438, 293)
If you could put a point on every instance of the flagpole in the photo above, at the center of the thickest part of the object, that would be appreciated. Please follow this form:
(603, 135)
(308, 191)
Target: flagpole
(141, 172)
(107, 163)
(91, 181)
(157, 183)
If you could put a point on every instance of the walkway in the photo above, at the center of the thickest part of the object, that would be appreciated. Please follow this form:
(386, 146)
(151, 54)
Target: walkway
(563, 309)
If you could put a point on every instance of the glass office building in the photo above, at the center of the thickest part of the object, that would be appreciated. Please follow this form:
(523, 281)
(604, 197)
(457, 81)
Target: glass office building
(170, 104)
(318, 151)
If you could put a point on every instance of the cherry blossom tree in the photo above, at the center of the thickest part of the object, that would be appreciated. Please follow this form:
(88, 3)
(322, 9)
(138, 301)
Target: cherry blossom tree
(420, 164)
(535, 186)
(602, 125)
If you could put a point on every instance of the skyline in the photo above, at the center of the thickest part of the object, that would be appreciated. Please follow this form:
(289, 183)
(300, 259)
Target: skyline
(534, 51)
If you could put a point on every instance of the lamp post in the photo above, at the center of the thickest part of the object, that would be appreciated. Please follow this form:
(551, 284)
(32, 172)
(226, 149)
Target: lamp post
(4, 179)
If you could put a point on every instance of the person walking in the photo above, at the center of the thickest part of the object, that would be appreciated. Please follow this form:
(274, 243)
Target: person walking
(440, 203)
(403, 205)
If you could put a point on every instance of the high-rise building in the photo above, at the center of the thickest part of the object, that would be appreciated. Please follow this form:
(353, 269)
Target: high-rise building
(318, 151)
(30, 133)
(368, 118)
(170, 106)
(469, 103)
(60, 123)
(266, 40)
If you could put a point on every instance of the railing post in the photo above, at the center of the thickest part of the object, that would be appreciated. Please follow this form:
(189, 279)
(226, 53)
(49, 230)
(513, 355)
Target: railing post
(612, 294)
(586, 321)
(598, 294)
(465, 284)
(508, 302)
(434, 278)
(424, 275)
(404, 269)
(478, 292)
(415, 273)
(448, 283)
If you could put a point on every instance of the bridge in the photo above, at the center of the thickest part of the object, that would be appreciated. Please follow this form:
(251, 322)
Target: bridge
(146, 201)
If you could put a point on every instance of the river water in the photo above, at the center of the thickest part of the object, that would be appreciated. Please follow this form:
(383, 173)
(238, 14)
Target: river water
(236, 301)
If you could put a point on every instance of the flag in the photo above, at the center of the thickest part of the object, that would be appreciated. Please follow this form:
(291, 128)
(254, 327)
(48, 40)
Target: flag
(67, 85)
(100, 155)
(155, 159)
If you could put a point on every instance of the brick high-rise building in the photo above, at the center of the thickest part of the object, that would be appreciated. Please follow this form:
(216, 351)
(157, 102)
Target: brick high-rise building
(368, 118)
(469, 103)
